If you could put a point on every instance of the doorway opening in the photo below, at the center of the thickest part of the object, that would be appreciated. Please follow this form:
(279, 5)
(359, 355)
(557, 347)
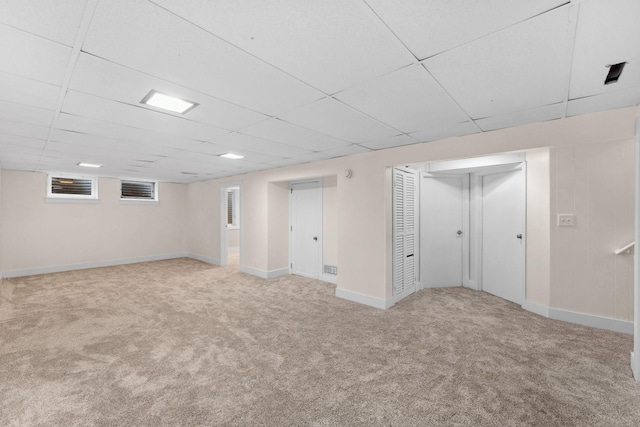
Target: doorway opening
(470, 225)
(231, 224)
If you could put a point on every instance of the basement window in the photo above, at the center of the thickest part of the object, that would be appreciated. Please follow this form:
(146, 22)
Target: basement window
(72, 187)
(139, 190)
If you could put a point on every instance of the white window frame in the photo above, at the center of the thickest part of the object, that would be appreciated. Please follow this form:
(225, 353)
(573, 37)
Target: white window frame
(139, 200)
(234, 208)
(72, 197)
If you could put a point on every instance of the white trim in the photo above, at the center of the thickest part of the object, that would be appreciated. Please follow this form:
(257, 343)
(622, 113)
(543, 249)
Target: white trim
(139, 202)
(635, 361)
(534, 307)
(634, 366)
(331, 278)
(263, 273)
(594, 321)
(208, 260)
(96, 264)
(363, 299)
(233, 249)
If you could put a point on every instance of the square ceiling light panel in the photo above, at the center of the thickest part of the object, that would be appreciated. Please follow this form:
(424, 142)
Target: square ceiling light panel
(168, 102)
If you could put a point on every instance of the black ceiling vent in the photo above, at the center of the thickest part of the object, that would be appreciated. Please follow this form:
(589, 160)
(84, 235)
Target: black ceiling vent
(614, 73)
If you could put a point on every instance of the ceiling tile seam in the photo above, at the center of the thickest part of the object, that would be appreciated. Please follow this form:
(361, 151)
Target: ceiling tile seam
(34, 34)
(367, 115)
(175, 84)
(455, 101)
(519, 111)
(239, 132)
(87, 17)
(574, 15)
(373, 79)
(129, 127)
(497, 31)
(30, 79)
(239, 48)
(391, 31)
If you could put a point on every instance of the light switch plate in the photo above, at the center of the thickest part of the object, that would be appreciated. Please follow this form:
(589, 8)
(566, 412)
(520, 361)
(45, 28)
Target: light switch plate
(566, 220)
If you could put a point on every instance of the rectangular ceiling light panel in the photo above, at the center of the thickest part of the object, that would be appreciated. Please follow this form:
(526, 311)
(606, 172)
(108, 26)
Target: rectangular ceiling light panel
(167, 102)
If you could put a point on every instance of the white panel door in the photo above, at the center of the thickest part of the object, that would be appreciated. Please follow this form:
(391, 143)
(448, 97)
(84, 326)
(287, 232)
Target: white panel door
(503, 235)
(405, 228)
(306, 228)
(441, 231)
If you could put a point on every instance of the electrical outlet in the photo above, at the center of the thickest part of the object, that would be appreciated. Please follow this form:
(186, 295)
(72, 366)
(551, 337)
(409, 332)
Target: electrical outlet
(566, 220)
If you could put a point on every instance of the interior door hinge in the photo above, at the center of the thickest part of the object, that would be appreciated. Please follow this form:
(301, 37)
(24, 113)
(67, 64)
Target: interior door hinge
(292, 191)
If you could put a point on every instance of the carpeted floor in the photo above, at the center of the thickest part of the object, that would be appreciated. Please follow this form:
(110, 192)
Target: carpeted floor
(180, 342)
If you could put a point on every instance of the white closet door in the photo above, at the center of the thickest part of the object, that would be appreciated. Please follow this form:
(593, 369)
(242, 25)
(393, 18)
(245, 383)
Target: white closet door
(503, 235)
(405, 216)
(441, 231)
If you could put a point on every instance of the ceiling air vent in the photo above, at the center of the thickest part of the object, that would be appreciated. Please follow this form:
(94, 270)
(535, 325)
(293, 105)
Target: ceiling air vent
(614, 73)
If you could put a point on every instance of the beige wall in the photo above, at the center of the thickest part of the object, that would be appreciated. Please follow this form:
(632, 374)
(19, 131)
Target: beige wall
(37, 234)
(538, 226)
(329, 220)
(595, 182)
(364, 202)
(203, 223)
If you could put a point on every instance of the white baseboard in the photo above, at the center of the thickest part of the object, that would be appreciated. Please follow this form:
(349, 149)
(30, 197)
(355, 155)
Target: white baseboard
(83, 266)
(594, 321)
(277, 273)
(203, 258)
(331, 278)
(263, 273)
(363, 299)
(635, 369)
(534, 307)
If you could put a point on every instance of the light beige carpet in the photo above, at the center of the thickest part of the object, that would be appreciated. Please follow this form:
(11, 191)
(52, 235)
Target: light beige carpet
(184, 343)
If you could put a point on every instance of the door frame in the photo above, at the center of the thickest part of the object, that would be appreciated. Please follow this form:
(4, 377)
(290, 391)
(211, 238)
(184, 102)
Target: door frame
(320, 182)
(224, 250)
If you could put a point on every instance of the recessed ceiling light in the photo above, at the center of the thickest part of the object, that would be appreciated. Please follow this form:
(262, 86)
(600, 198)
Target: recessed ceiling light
(232, 156)
(166, 102)
(89, 165)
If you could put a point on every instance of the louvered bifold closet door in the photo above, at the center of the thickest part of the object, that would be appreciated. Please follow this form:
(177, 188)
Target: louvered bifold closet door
(405, 275)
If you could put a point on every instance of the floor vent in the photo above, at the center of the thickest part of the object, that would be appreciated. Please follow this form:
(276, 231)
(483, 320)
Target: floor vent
(331, 269)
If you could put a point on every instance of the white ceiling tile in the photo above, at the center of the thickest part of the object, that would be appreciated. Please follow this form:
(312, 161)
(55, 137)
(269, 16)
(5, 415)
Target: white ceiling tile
(429, 27)
(51, 19)
(102, 78)
(17, 142)
(23, 129)
(607, 33)
(124, 134)
(32, 57)
(521, 67)
(290, 134)
(80, 104)
(143, 36)
(393, 141)
(28, 92)
(336, 119)
(408, 99)
(517, 118)
(115, 144)
(12, 112)
(604, 102)
(443, 131)
(330, 45)
(239, 141)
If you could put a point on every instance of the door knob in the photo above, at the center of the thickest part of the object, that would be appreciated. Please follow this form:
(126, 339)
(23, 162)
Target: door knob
(459, 232)
(315, 238)
(519, 236)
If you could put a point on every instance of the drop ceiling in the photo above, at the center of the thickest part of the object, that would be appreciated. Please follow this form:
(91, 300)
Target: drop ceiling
(286, 82)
